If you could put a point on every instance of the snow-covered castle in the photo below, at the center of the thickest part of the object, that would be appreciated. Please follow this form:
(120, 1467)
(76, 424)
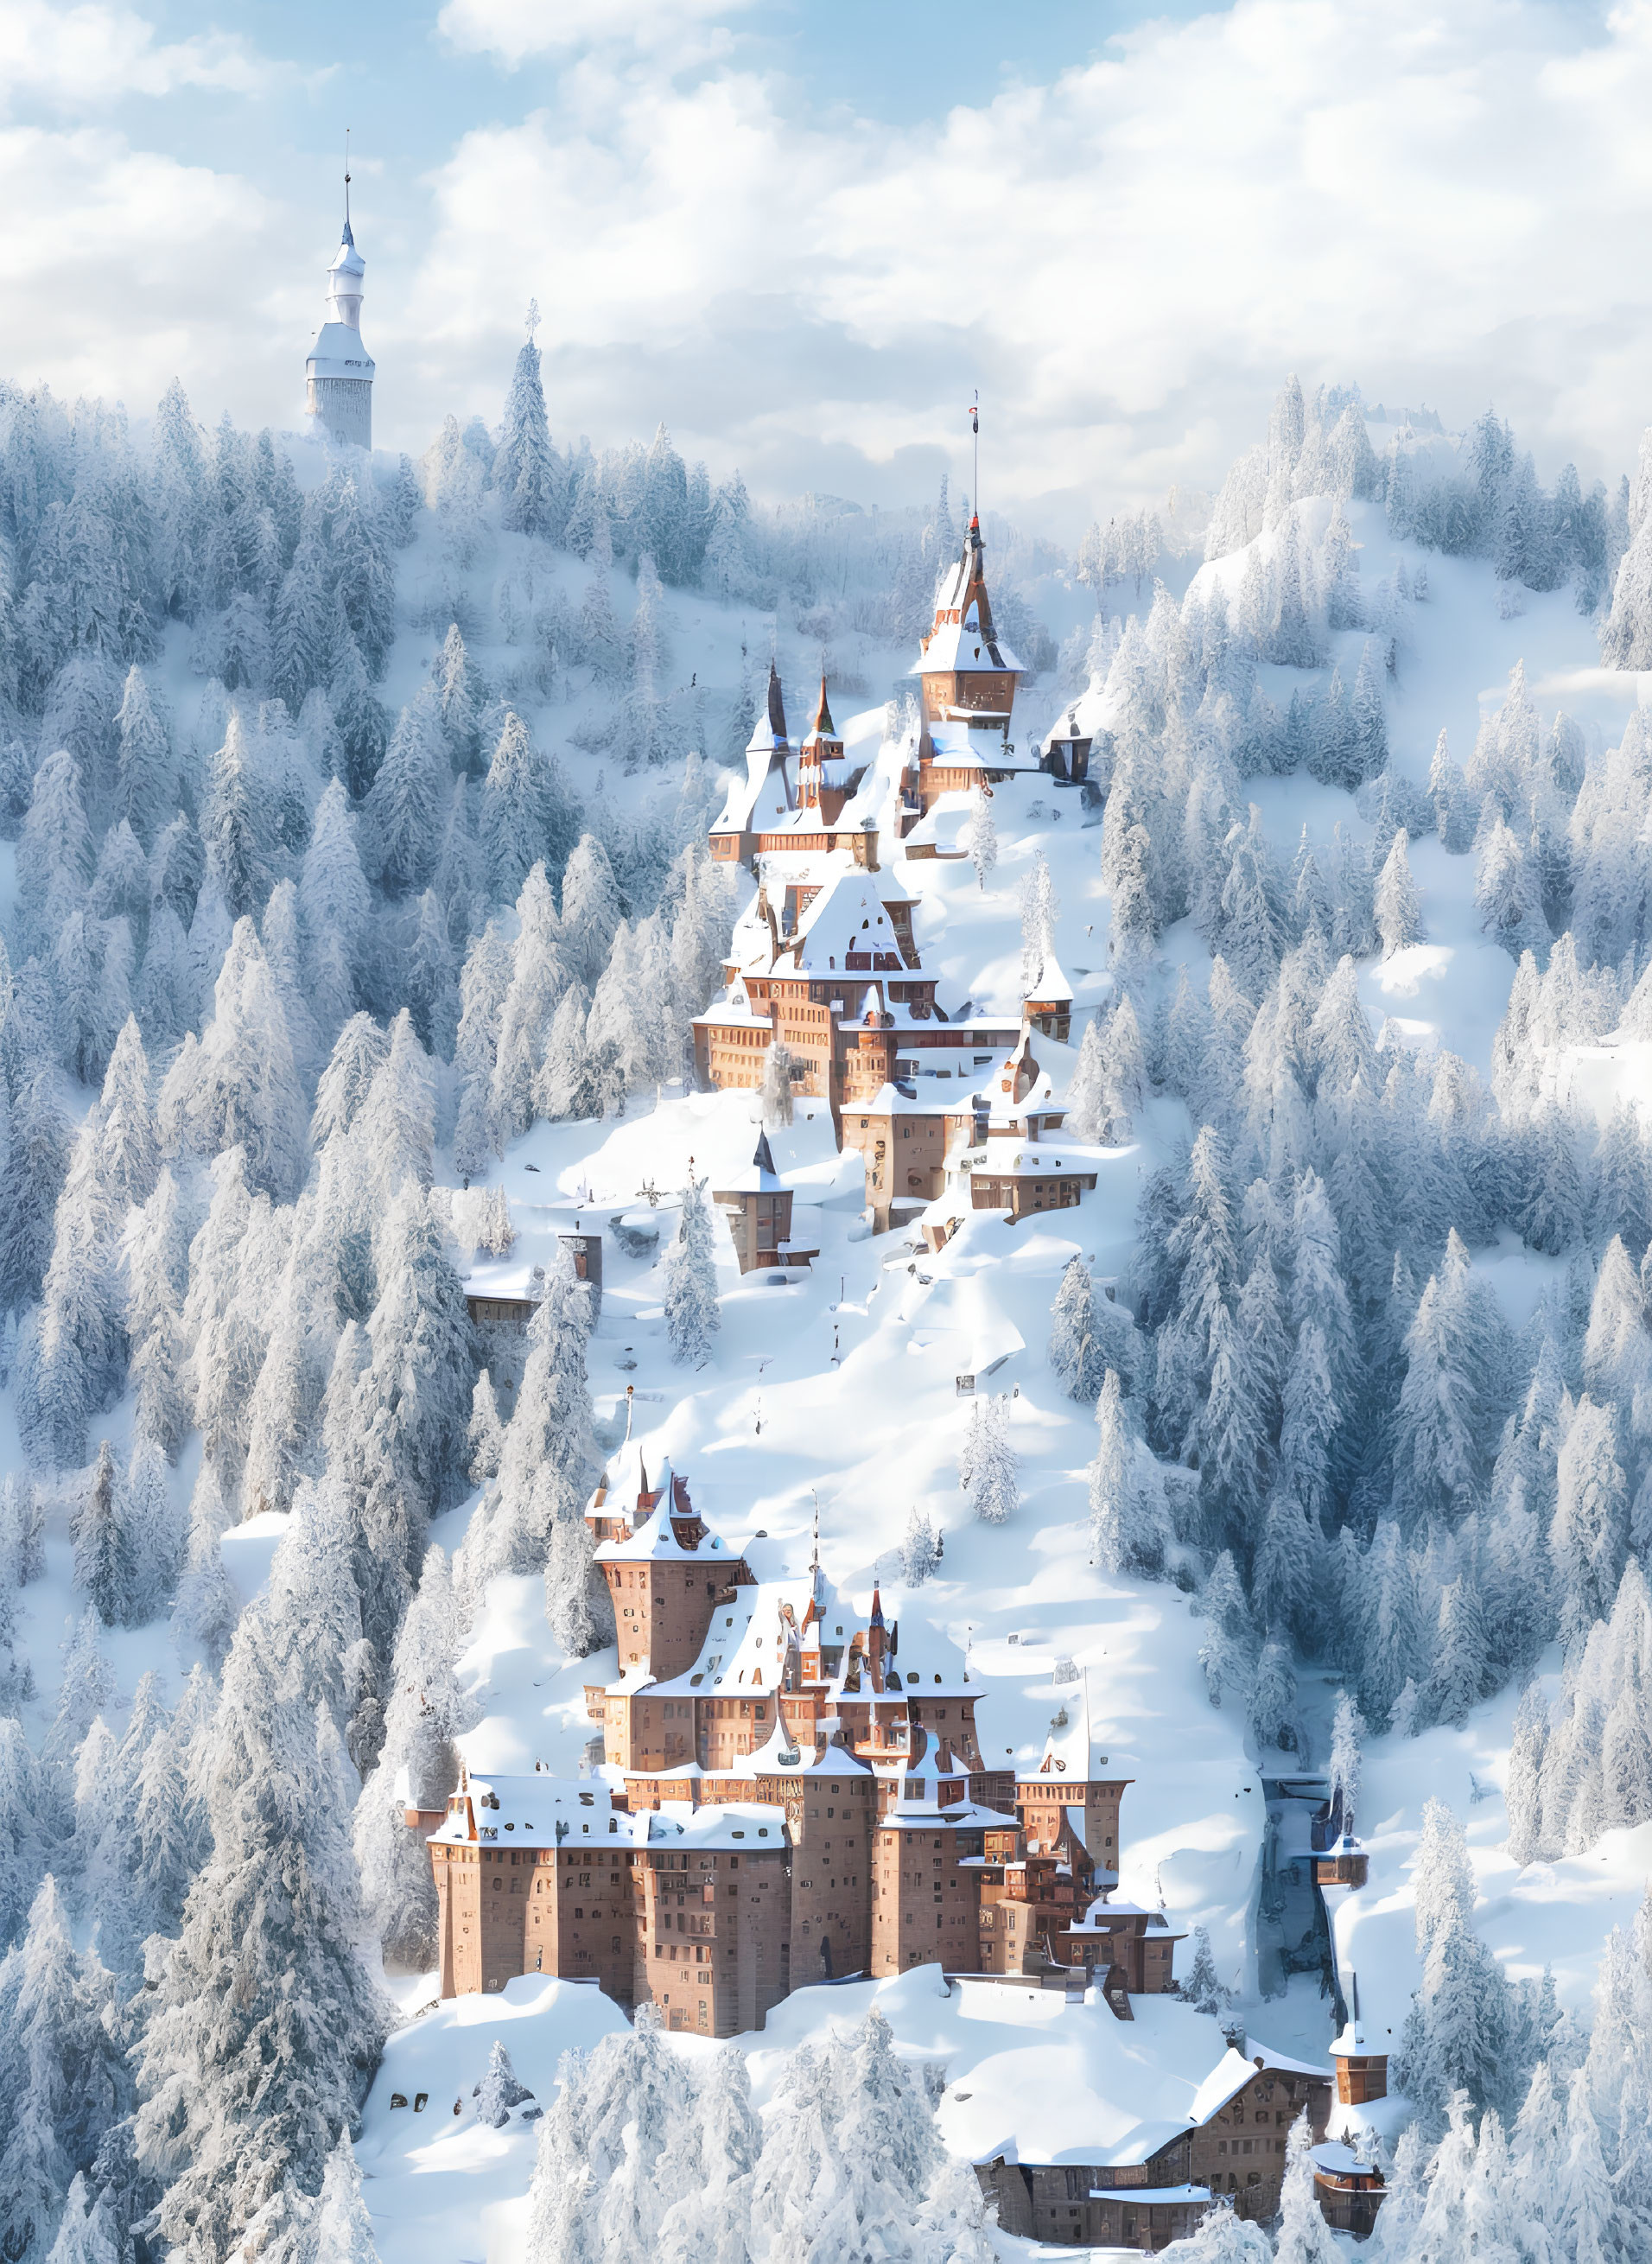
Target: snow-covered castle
(784, 1800)
(338, 375)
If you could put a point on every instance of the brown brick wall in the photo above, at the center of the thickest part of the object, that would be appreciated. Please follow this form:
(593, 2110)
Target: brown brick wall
(923, 1908)
(710, 1930)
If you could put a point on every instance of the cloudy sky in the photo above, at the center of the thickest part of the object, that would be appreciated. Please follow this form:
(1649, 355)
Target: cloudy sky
(804, 234)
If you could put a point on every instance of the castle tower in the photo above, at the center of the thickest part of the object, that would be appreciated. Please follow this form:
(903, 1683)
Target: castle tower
(969, 676)
(822, 776)
(338, 375)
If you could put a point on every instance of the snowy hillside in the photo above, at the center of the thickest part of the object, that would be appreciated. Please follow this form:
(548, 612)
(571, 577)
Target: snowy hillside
(356, 912)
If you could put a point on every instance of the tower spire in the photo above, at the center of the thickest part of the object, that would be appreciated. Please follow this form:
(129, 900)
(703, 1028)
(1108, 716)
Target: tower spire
(348, 238)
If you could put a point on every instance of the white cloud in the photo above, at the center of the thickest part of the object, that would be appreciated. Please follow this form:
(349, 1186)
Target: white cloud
(134, 268)
(1450, 203)
(1445, 204)
(76, 59)
(513, 29)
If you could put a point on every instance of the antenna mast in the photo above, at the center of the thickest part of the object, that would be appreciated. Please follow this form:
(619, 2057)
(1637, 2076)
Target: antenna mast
(346, 180)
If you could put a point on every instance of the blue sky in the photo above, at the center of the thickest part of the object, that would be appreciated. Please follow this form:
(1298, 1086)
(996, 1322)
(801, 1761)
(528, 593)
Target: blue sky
(801, 235)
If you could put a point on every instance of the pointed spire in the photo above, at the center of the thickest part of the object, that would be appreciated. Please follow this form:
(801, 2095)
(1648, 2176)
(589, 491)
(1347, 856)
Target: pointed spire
(777, 706)
(822, 727)
(876, 1620)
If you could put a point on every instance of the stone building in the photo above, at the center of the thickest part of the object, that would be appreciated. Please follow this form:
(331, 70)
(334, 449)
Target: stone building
(832, 971)
(757, 1205)
(784, 1800)
(1185, 2145)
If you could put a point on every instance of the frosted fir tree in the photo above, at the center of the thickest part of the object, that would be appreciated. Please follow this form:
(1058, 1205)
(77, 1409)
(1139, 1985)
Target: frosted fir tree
(692, 1315)
(1523, 1795)
(53, 2041)
(593, 906)
(408, 800)
(417, 1766)
(340, 2232)
(919, 1555)
(1074, 1352)
(268, 1946)
(1304, 2236)
(1128, 1529)
(983, 836)
(538, 978)
(87, 2232)
(987, 1463)
(528, 471)
(565, 1085)
(1588, 1538)
(549, 1450)
(1342, 1769)
(1200, 1986)
(1221, 2237)
(1399, 914)
(336, 904)
(1272, 1707)
(1507, 893)
(207, 1604)
(774, 1095)
(1228, 1652)
(499, 2092)
(486, 1435)
(105, 1571)
(1040, 912)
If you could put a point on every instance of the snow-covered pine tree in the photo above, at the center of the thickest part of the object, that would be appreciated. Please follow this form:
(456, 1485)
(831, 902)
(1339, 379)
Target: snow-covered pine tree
(1398, 911)
(499, 2092)
(918, 1553)
(1074, 1352)
(983, 836)
(987, 1463)
(548, 1449)
(1342, 1769)
(417, 1768)
(691, 1318)
(264, 2026)
(1128, 1529)
(340, 2232)
(528, 471)
(1200, 1985)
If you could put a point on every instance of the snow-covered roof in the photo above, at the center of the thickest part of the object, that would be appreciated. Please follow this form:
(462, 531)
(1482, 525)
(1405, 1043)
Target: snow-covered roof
(745, 1647)
(963, 636)
(759, 1176)
(920, 1813)
(1074, 1753)
(530, 1812)
(1048, 2082)
(1052, 984)
(780, 1755)
(748, 1825)
(1340, 2161)
(653, 1540)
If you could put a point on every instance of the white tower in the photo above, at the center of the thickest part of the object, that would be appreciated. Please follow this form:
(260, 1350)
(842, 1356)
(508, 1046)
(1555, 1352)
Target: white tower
(339, 372)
